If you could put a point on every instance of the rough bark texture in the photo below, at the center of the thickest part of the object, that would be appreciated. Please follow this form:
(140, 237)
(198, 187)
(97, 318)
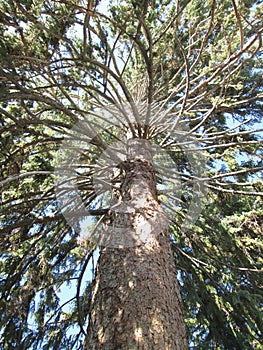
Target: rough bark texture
(136, 301)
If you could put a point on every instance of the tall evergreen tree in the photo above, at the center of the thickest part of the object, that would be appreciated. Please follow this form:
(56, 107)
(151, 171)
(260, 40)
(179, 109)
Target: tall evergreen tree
(120, 122)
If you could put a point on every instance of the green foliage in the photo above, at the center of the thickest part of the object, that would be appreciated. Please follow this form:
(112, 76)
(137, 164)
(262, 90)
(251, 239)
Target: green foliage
(221, 261)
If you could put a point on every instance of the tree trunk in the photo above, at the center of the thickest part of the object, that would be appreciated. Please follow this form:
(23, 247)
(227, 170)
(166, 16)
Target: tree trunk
(136, 301)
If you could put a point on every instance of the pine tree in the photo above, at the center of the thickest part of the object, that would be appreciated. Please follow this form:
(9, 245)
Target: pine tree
(135, 125)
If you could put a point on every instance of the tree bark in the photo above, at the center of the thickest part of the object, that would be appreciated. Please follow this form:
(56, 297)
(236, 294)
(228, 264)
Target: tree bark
(136, 301)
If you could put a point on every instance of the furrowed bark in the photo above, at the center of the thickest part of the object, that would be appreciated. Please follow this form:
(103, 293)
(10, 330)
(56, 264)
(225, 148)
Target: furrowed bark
(136, 301)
